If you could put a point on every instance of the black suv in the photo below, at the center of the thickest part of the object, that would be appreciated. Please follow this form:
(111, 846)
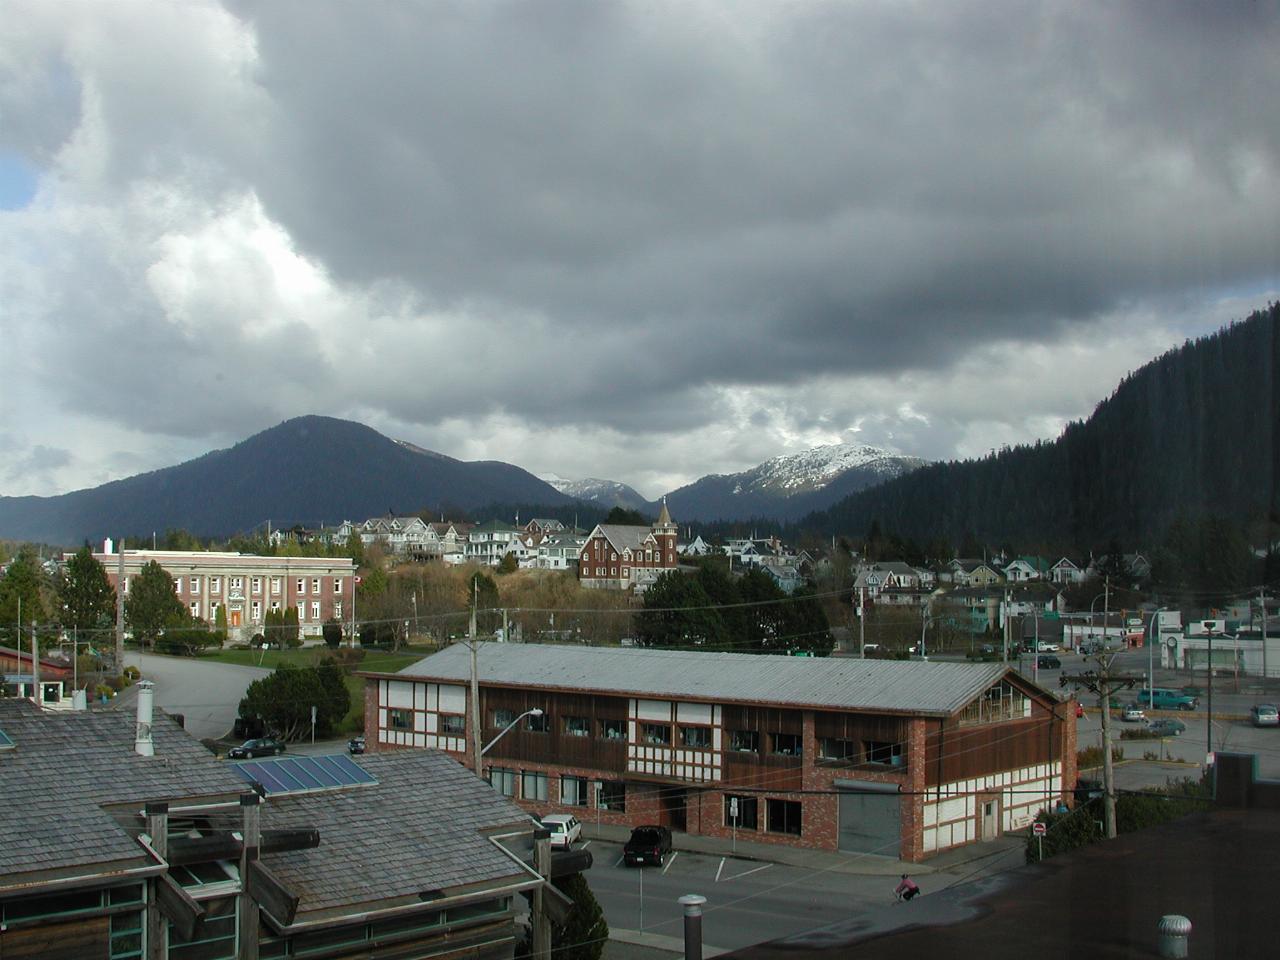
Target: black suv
(649, 844)
(1047, 662)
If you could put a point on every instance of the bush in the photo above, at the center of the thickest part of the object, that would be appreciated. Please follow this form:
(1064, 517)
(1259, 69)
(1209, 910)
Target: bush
(103, 690)
(257, 641)
(1092, 757)
(348, 657)
(293, 642)
(332, 631)
(132, 674)
(1139, 733)
(1150, 755)
(187, 641)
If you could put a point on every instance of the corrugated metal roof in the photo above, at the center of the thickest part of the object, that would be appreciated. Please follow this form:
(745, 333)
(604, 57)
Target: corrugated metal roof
(881, 685)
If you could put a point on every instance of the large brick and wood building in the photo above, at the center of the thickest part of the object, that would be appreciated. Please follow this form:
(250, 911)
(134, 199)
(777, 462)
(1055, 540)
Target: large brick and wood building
(901, 759)
(247, 586)
(622, 557)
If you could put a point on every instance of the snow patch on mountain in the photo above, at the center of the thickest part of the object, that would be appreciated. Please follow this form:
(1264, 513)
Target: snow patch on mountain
(813, 469)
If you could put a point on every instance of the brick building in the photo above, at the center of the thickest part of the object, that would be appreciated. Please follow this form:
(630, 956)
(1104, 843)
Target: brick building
(622, 557)
(902, 759)
(248, 586)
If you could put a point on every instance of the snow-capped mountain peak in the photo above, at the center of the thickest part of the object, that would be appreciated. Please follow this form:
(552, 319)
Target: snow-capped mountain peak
(814, 468)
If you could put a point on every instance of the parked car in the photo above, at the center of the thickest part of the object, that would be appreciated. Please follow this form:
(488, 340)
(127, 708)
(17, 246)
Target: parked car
(1167, 728)
(1133, 714)
(649, 844)
(1048, 663)
(1087, 790)
(565, 829)
(1163, 698)
(1265, 715)
(355, 745)
(262, 747)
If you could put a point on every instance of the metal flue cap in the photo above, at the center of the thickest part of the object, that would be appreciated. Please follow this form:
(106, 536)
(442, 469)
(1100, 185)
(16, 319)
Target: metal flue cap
(1174, 930)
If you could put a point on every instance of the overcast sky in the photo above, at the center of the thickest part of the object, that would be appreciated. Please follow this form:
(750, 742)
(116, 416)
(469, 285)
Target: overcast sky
(639, 241)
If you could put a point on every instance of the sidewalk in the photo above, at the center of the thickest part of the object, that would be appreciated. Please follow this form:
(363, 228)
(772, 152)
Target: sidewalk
(857, 864)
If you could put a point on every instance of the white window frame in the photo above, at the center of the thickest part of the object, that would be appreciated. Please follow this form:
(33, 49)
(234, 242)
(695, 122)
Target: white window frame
(193, 585)
(337, 584)
(277, 584)
(302, 586)
(215, 585)
(315, 585)
(255, 586)
(315, 609)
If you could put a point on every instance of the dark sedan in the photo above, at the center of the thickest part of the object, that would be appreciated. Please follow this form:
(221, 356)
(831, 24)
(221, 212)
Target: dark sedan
(262, 747)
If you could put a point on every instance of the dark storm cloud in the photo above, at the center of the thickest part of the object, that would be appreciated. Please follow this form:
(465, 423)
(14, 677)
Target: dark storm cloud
(644, 220)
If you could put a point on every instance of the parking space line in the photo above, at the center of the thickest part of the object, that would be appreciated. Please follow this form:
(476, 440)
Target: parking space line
(719, 868)
(619, 860)
(586, 844)
(747, 873)
(667, 866)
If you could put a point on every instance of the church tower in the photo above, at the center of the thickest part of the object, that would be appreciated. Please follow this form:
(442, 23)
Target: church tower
(665, 532)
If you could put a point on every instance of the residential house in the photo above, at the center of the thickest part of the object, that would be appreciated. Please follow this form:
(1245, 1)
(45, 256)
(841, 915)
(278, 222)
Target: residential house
(1067, 571)
(19, 679)
(697, 548)
(146, 845)
(624, 557)
(892, 758)
(488, 543)
(542, 526)
(400, 536)
(560, 551)
(1027, 568)
(972, 573)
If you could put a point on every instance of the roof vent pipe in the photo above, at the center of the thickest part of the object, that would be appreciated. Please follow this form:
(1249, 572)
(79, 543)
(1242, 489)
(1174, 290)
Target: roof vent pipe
(1174, 932)
(143, 745)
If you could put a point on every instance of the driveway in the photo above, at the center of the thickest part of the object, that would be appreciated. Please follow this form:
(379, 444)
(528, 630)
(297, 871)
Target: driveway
(207, 694)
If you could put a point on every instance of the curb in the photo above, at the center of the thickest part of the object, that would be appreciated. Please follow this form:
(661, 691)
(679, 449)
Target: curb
(658, 941)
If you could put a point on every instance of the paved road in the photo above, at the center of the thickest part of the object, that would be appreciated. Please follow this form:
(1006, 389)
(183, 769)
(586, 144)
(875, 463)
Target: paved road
(206, 693)
(749, 901)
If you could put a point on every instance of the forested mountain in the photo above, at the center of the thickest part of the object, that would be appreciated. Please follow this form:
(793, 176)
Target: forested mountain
(308, 470)
(1191, 434)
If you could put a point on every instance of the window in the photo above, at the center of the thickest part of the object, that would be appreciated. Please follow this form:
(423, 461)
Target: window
(784, 816)
(256, 608)
(126, 935)
(537, 724)
(453, 724)
(337, 609)
(337, 584)
(577, 726)
(277, 584)
(613, 796)
(399, 719)
(655, 734)
(235, 583)
(613, 556)
(533, 785)
(748, 811)
(699, 738)
(215, 584)
(613, 571)
(217, 933)
(1001, 702)
(613, 730)
(302, 610)
(503, 718)
(502, 780)
(275, 604)
(830, 748)
(574, 791)
(744, 741)
(625, 572)
(315, 584)
(255, 585)
(787, 744)
(315, 609)
(195, 608)
(889, 754)
(193, 585)
(302, 585)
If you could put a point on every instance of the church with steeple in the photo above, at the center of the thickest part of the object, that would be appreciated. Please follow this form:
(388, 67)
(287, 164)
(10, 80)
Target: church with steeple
(624, 557)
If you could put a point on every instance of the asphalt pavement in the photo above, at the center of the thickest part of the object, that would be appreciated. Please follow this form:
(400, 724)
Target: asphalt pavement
(207, 694)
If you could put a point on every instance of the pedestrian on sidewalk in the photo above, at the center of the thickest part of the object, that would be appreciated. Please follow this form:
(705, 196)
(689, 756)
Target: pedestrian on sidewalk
(906, 889)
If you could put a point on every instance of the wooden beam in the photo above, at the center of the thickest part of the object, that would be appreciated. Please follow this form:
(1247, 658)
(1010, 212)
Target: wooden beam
(225, 846)
(271, 894)
(176, 904)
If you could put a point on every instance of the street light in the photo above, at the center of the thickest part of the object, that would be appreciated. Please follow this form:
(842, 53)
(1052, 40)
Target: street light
(1104, 620)
(1152, 641)
(535, 712)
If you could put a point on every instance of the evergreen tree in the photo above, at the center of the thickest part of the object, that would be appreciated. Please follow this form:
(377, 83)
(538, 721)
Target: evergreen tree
(85, 594)
(152, 603)
(678, 613)
(20, 588)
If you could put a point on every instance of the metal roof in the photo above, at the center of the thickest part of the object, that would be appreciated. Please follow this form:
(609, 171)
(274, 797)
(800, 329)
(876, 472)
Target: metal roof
(896, 686)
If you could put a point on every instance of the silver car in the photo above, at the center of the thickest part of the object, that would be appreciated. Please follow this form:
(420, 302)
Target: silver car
(1265, 715)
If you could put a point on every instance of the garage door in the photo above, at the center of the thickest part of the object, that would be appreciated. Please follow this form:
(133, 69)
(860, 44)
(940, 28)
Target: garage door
(870, 817)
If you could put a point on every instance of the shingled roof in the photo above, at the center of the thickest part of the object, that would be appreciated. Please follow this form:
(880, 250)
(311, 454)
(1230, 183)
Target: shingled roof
(64, 768)
(421, 827)
(889, 686)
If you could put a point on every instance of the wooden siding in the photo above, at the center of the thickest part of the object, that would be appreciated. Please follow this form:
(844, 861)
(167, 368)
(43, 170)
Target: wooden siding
(954, 753)
(555, 745)
(87, 939)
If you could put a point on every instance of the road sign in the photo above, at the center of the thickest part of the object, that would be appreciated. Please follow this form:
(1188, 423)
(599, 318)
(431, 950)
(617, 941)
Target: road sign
(1039, 829)
(733, 807)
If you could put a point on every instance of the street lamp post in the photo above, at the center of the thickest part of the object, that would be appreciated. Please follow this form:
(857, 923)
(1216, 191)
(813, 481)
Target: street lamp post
(535, 712)
(1152, 642)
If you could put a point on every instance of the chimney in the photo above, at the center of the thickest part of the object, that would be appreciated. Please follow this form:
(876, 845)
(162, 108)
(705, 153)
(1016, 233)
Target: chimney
(143, 745)
(35, 665)
(107, 545)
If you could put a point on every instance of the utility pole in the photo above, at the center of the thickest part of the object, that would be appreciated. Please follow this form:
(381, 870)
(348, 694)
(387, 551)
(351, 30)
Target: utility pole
(1103, 682)
(1007, 625)
(120, 606)
(475, 685)
(1262, 602)
(862, 621)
